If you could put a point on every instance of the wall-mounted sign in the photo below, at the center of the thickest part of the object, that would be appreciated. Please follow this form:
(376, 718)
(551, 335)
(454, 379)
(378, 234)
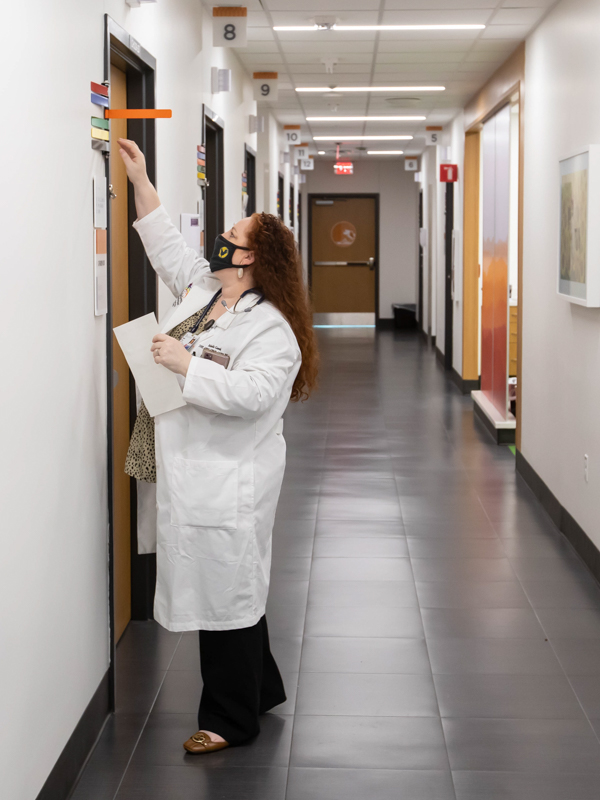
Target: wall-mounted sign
(411, 164)
(306, 163)
(100, 209)
(265, 85)
(433, 134)
(100, 273)
(343, 168)
(301, 151)
(229, 26)
(448, 173)
(292, 133)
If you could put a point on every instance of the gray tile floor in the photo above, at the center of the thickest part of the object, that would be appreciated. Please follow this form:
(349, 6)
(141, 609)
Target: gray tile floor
(439, 638)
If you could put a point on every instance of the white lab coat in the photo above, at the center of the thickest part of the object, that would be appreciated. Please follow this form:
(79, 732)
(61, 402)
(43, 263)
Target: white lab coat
(220, 459)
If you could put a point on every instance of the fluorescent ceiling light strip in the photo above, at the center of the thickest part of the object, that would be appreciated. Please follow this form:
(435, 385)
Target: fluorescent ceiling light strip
(385, 152)
(342, 138)
(378, 27)
(370, 88)
(363, 119)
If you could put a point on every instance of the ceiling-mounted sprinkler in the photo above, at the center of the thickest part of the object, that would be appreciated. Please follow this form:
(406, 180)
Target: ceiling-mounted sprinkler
(330, 62)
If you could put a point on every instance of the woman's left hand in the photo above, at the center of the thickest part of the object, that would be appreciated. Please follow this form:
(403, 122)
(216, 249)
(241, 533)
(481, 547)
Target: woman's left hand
(170, 353)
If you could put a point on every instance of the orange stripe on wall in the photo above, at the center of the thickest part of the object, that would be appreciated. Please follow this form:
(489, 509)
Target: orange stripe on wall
(229, 11)
(137, 113)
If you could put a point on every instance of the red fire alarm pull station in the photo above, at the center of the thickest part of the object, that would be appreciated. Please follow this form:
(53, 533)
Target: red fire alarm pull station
(343, 168)
(448, 173)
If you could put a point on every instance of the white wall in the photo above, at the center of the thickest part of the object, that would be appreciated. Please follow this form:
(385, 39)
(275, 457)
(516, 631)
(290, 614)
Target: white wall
(398, 220)
(561, 341)
(429, 184)
(457, 147)
(53, 571)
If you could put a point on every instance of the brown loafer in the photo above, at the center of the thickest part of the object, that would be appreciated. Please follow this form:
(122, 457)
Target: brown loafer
(202, 743)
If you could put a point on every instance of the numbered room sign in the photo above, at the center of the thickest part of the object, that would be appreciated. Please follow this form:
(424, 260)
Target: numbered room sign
(265, 85)
(433, 135)
(306, 163)
(292, 134)
(229, 26)
(301, 152)
(411, 164)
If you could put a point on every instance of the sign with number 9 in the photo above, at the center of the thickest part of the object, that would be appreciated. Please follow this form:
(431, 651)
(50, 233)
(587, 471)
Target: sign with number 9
(265, 85)
(230, 26)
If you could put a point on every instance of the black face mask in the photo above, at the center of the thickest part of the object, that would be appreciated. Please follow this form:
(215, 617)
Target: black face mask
(222, 256)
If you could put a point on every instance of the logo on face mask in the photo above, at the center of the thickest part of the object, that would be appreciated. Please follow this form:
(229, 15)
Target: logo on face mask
(223, 252)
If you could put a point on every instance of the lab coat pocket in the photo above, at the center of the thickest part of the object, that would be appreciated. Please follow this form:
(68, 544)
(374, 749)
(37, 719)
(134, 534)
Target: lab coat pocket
(204, 494)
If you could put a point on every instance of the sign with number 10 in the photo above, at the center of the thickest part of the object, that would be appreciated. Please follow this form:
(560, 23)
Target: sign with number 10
(229, 26)
(265, 85)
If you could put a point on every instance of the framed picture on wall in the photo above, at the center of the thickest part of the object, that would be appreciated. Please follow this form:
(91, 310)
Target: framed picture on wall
(579, 235)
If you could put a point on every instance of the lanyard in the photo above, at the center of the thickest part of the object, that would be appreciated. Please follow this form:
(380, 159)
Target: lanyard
(205, 312)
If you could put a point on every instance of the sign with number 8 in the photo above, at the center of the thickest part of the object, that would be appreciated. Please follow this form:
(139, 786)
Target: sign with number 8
(229, 26)
(265, 85)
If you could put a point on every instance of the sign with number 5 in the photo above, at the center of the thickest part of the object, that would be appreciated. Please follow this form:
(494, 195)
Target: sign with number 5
(265, 85)
(229, 26)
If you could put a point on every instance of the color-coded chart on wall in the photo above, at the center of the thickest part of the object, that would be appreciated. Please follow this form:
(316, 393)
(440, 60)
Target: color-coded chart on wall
(201, 165)
(99, 126)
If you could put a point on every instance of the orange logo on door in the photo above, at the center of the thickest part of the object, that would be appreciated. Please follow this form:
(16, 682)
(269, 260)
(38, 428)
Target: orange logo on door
(343, 234)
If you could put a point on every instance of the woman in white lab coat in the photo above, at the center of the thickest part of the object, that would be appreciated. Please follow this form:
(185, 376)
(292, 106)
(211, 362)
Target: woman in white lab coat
(240, 340)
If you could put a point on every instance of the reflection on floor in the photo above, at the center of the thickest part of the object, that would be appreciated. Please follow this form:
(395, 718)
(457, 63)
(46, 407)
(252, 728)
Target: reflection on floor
(438, 636)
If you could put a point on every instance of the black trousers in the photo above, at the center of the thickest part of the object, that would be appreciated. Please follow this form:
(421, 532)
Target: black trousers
(241, 681)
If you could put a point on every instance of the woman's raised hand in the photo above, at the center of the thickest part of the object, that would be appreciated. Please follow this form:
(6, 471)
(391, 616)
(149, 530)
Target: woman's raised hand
(134, 160)
(146, 199)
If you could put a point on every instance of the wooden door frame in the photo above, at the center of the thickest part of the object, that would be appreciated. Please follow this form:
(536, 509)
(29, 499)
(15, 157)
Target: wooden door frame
(140, 67)
(345, 196)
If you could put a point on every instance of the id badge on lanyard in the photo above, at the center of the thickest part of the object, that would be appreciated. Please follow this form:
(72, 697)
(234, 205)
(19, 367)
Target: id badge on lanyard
(188, 340)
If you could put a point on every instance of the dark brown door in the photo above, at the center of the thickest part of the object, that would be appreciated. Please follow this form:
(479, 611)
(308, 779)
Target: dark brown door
(344, 241)
(120, 313)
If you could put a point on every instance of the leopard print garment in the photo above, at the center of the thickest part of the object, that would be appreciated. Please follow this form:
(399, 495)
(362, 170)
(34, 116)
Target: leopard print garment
(141, 458)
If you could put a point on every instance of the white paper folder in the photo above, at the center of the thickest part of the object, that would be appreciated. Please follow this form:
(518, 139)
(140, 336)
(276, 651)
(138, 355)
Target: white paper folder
(158, 386)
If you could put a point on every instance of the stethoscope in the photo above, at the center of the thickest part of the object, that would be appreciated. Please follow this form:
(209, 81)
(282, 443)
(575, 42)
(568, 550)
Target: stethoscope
(211, 322)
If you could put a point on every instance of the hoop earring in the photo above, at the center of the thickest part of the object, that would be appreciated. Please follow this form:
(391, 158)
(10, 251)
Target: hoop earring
(240, 273)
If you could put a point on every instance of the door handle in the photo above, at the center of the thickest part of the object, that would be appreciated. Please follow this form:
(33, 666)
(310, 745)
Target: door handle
(111, 194)
(370, 263)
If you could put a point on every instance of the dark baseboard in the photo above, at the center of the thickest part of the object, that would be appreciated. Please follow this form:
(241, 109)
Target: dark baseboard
(582, 543)
(74, 756)
(499, 435)
(464, 386)
(386, 324)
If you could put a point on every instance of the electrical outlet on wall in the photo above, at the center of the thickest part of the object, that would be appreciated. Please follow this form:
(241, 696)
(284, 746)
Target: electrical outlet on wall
(586, 468)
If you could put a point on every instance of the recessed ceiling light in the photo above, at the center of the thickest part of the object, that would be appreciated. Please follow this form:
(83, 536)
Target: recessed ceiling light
(370, 88)
(320, 152)
(363, 119)
(378, 27)
(341, 138)
(385, 152)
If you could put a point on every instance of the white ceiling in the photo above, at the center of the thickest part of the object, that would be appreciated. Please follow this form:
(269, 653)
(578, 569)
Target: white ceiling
(459, 60)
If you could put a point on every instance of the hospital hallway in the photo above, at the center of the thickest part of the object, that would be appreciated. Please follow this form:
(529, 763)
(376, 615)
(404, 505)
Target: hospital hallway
(438, 636)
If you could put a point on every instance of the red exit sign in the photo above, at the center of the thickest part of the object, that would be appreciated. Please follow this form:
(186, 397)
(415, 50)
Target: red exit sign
(343, 168)
(448, 173)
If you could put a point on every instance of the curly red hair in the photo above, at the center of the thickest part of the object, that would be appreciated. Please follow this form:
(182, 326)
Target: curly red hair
(278, 274)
